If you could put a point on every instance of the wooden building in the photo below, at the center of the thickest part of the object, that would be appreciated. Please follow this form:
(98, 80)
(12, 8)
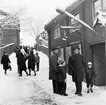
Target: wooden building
(9, 33)
(92, 46)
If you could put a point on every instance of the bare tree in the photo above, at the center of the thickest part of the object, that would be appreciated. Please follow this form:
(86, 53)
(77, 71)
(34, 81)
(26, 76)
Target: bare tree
(12, 19)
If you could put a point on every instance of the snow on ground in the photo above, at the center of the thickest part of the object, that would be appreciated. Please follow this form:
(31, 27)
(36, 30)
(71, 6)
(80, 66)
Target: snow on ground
(97, 97)
(42, 81)
(23, 90)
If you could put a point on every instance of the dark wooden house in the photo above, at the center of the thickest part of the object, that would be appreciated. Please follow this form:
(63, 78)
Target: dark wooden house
(92, 46)
(9, 34)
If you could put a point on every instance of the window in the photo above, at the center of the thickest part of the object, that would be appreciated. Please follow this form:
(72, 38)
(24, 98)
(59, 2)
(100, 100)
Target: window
(1, 35)
(57, 32)
(104, 5)
(97, 5)
(75, 23)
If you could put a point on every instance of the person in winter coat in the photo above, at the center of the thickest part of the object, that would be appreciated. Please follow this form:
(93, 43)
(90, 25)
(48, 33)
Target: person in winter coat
(89, 76)
(53, 71)
(17, 56)
(77, 65)
(21, 63)
(37, 60)
(62, 76)
(31, 62)
(6, 62)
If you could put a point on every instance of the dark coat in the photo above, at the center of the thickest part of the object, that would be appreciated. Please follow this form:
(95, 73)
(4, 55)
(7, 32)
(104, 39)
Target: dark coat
(31, 61)
(90, 73)
(76, 65)
(37, 59)
(17, 56)
(61, 74)
(53, 67)
(5, 61)
(21, 61)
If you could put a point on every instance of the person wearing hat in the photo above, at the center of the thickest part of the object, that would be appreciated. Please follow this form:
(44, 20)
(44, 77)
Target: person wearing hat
(76, 65)
(37, 60)
(31, 62)
(53, 71)
(6, 62)
(89, 76)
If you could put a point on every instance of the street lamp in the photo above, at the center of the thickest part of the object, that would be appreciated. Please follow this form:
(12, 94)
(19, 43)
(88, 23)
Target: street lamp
(72, 16)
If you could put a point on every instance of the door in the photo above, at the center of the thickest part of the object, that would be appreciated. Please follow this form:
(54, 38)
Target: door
(98, 55)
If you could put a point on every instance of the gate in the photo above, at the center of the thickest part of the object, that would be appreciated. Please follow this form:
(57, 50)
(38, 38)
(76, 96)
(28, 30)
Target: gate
(98, 58)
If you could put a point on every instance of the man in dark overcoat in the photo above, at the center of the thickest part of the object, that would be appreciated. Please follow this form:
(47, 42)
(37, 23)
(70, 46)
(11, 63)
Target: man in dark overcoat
(31, 62)
(17, 56)
(53, 71)
(21, 63)
(5, 61)
(76, 65)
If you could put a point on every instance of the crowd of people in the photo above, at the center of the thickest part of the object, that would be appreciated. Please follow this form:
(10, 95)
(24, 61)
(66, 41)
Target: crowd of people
(57, 70)
(23, 54)
(78, 69)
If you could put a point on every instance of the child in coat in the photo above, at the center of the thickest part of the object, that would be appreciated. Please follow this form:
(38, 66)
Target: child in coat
(61, 77)
(89, 76)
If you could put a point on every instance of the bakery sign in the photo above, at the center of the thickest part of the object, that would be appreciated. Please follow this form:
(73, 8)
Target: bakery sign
(57, 32)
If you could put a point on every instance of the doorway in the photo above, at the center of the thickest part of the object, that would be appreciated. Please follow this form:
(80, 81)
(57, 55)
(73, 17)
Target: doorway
(98, 58)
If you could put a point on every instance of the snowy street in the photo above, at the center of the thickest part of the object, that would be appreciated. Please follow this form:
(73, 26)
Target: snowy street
(23, 90)
(37, 90)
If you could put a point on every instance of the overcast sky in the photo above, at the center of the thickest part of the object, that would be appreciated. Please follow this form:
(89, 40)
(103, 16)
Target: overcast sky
(42, 11)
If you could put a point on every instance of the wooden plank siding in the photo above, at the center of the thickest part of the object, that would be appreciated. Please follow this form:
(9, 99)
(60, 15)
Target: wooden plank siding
(10, 36)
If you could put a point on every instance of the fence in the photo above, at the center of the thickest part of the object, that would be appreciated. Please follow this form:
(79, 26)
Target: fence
(9, 48)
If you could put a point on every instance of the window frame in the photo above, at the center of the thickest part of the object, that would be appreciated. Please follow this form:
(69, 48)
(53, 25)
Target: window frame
(1, 34)
(75, 22)
(56, 33)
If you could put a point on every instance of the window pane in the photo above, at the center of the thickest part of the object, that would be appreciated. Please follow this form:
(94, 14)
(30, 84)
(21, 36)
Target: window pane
(98, 5)
(75, 23)
(104, 4)
(57, 32)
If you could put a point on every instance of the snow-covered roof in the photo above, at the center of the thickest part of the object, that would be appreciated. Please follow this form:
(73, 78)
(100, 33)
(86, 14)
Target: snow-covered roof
(60, 16)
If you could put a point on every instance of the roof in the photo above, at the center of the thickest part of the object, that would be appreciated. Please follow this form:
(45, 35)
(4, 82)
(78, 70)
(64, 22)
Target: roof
(3, 13)
(60, 16)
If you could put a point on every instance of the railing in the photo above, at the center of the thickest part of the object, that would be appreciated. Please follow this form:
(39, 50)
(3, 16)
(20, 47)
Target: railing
(9, 48)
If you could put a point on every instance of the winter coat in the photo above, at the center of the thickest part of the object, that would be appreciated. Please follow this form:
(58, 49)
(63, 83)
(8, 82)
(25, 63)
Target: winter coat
(31, 61)
(17, 56)
(90, 73)
(37, 59)
(21, 61)
(61, 72)
(53, 67)
(76, 65)
(5, 61)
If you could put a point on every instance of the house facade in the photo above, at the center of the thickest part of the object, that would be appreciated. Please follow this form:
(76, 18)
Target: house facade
(9, 33)
(92, 45)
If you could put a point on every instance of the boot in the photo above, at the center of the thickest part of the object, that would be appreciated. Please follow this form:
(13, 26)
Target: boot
(88, 90)
(91, 90)
(26, 72)
(34, 72)
(5, 72)
(10, 68)
(29, 72)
